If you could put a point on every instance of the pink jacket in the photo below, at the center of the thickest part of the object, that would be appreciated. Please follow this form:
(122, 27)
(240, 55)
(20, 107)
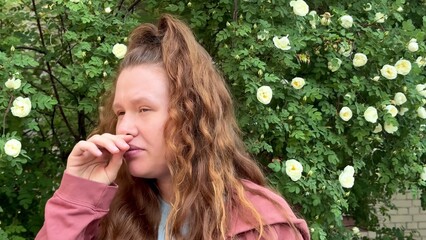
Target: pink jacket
(74, 212)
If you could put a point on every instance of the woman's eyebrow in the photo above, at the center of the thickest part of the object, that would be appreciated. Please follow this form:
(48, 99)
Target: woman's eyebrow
(135, 100)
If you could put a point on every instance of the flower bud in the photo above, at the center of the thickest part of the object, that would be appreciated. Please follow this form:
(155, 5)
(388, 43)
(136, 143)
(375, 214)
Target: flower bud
(413, 46)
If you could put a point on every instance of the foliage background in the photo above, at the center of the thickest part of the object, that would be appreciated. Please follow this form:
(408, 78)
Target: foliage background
(61, 50)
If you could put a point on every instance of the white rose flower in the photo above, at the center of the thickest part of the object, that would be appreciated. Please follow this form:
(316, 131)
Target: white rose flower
(400, 98)
(345, 49)
(389, 71)
(378, 128)
(402, 111)
(21, 107)
(413, 46)
(421, 112)
(380, 17)
(421, 61)
(403, 66)
(392, 110)
(13, 83)
(376, 78)
(345, 114)
(368, 7)
(264, 94)
(400, 9)
(300, 7)
(390, 128)
(370, 114)
(297, 82)
(347, 179)
(108, 10)
(423, 174)
(334, 64)
(119, 50)
(282, 43)
(349, 169)
(359, 60)
(421, 89)
(346, 21)
(294, 169)
(356, 231)
(12, 147)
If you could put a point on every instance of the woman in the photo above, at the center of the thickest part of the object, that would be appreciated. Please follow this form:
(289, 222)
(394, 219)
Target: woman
(168, 138)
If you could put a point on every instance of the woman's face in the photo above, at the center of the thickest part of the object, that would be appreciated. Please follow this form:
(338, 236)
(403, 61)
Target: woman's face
(141, 104)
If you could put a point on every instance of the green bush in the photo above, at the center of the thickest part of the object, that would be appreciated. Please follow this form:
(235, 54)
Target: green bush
(62, 53)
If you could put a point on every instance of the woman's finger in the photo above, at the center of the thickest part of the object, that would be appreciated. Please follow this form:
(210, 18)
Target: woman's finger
(114, 165)
(112, 143)
(120, 141)
(85, 146)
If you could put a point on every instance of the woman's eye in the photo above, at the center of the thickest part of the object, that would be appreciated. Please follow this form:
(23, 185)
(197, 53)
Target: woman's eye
(119, 113)
(144, 109)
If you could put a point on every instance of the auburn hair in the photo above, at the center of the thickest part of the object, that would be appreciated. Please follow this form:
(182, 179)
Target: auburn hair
(207, 156)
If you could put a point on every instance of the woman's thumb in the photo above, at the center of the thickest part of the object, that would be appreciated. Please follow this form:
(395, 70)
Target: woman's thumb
(111, 170)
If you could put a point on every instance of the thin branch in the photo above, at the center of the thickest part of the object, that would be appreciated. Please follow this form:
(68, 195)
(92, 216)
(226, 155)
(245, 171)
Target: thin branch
(133, 5)
(82, 125)
(68, 45)
(52, 81)
(32, 49)
(52, 126)
(235, 14)
(120, 5)
(68, 90)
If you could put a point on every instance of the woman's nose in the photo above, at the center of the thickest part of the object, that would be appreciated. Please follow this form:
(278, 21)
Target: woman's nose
(126, 125)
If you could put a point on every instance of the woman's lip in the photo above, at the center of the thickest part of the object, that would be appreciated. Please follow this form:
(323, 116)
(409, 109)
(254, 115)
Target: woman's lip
(131, 153)
(133, 147)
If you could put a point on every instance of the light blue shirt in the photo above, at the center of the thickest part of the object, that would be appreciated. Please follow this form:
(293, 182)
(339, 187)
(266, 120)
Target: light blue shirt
(165, 210)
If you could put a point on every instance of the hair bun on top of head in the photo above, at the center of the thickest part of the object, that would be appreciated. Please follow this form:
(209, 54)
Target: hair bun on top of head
(170, 41)
(150, 34)
(144, 35)
(168, 29)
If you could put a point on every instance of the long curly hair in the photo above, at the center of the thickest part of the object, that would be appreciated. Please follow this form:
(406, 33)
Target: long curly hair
(207, 156)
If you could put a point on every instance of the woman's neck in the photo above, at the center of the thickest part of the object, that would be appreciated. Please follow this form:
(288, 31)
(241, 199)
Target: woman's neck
(166, 189)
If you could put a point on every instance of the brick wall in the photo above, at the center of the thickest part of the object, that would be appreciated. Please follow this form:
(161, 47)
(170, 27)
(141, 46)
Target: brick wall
(408, 214)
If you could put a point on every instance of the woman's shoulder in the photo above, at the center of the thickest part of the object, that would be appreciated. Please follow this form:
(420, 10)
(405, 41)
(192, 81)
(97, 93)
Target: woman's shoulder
(268, 203)
(273, 208)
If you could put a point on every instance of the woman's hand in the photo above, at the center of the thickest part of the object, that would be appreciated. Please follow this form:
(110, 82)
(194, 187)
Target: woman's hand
(98, 158)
